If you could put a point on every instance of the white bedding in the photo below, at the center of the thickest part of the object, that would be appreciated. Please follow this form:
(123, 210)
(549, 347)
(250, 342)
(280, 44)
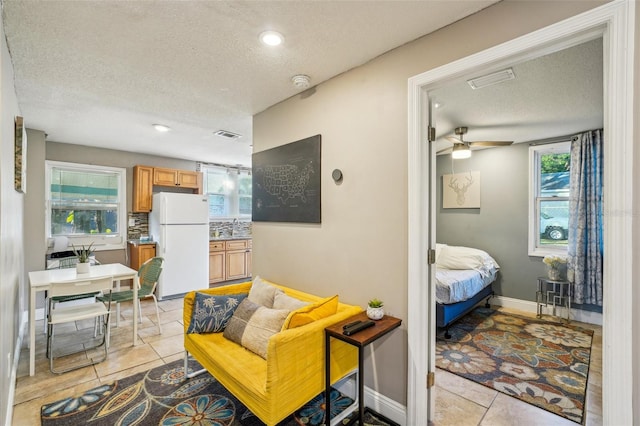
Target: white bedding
(457, 285)
(461, 272)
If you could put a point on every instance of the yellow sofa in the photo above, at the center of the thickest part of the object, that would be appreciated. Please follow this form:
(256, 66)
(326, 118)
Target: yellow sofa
(293, 372)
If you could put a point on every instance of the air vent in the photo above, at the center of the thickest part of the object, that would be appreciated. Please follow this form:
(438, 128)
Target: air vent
(490, 79)
(227, 134)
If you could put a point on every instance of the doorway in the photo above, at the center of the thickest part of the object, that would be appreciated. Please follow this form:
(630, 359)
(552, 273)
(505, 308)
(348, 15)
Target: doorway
(610, 22)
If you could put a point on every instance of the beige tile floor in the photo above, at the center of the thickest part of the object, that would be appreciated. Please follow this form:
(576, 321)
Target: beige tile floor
(458, 401)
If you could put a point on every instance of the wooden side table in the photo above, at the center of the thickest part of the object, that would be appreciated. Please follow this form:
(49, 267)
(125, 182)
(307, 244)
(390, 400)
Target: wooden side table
(553, 292)
(359, 340)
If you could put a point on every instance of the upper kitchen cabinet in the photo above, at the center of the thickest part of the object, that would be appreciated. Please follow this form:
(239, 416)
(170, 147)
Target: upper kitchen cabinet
(142, 188)
(146, 177)
(173, 177)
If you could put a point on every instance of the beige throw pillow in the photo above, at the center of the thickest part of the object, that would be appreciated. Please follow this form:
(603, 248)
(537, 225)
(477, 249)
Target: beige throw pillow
(284, 301)
(262, 293)
(252, 325)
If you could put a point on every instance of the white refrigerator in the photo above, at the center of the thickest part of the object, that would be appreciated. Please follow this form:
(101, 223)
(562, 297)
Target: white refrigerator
(179, 224)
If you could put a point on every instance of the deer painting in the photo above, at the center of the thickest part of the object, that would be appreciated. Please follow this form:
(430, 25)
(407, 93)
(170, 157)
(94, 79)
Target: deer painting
(460, 189)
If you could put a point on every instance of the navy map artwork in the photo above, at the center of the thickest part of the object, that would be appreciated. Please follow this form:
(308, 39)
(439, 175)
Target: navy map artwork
(286, 182)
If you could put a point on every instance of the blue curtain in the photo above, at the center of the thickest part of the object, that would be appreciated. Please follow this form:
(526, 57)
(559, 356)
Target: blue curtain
(585, 218)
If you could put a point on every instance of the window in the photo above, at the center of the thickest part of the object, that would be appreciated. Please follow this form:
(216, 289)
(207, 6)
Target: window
(86, 204)
(229, 190)
(549, 198)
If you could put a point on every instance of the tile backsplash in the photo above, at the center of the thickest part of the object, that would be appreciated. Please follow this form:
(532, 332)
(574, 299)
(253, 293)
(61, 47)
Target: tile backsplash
(141, 226)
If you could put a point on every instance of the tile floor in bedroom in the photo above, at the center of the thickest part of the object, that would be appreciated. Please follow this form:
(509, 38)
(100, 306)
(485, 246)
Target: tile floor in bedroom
(458, 401)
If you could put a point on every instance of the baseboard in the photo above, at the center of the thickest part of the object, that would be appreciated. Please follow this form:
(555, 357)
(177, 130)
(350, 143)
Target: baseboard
(386, 406)
(376, 401)
(24, 322)
(531, 307)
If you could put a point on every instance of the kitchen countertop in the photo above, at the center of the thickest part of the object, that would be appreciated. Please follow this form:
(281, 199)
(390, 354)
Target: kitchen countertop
(140, 243)
(228, 237)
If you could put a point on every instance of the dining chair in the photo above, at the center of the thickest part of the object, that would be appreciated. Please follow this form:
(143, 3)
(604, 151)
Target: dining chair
(60, 313)
(65, 263)
(148, 276)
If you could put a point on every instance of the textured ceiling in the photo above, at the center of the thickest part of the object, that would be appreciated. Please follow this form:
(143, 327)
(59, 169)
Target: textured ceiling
(99, 73)
(554, 95)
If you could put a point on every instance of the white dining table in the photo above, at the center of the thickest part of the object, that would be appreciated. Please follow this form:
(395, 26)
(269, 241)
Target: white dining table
(42, 280)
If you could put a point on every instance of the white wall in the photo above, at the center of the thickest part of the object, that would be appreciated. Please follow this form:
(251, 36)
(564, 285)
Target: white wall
(12, 279)
(360, 249)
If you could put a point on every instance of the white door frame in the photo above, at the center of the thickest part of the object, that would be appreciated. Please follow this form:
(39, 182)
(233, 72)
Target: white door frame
(615, 21)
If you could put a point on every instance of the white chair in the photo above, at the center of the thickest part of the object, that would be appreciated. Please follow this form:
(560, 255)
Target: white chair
(59, 314)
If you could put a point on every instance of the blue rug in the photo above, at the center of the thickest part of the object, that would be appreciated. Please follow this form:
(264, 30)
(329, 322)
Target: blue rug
(161, 396)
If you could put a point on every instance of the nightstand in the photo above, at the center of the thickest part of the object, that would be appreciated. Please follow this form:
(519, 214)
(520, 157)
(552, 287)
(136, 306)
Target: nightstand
(554, 292)
(359, 340)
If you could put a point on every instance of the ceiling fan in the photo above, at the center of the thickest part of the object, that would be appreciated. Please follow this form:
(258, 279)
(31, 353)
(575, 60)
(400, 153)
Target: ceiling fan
(462, 149)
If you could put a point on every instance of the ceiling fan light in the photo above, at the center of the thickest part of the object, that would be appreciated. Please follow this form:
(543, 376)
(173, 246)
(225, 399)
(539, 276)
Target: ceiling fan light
(460, 151)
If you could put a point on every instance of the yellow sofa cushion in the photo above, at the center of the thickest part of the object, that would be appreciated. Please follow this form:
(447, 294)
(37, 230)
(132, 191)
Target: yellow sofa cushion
(302, 316)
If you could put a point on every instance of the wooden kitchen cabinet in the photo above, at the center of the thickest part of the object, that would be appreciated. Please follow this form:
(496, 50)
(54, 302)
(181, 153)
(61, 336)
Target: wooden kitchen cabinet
(175, 177)
(146, 177)
(216, 262)
(142, 188)
(229, 260)
(140, 253)
(237, 255)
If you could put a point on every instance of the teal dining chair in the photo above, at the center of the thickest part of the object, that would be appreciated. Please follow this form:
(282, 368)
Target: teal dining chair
(148, 276)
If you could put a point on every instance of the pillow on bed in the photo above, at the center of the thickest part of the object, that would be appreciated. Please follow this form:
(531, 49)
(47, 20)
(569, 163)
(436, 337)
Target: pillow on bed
(458, 257)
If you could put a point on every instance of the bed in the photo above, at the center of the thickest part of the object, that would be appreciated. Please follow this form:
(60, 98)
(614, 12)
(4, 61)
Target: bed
(463, 279)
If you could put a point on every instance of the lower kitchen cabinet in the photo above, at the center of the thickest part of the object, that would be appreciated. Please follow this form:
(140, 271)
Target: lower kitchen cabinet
(229, 260)
(216, 262)
(140, 253)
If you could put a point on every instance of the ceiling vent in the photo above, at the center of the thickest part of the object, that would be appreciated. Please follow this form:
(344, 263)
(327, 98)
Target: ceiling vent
(227, 134)
(490, 79)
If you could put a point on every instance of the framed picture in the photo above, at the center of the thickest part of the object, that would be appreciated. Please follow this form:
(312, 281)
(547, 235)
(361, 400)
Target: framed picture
(461, 191)
(286, 182)
(20, 178)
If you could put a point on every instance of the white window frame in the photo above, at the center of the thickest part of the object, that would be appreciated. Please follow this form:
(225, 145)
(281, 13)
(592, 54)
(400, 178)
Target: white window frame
(100, 242)
(535, 152)
(232, 195)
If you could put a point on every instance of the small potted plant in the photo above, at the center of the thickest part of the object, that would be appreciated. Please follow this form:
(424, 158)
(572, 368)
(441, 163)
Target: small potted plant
(555, 266)
(374, 309)
(83, 254)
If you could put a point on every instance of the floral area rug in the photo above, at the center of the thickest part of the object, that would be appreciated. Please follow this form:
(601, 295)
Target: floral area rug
(161, 396)
(543, 363)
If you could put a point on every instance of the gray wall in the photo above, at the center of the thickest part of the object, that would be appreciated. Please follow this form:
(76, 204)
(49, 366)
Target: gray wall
(359, 251)
(40, 150)
(500, 225)
(12, 279)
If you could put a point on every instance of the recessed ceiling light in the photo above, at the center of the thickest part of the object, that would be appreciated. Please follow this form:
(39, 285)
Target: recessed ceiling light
(161, 127)
(271, 38)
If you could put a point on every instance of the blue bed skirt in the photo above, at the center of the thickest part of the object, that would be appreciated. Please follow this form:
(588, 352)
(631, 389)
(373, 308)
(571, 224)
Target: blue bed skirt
(448, 313)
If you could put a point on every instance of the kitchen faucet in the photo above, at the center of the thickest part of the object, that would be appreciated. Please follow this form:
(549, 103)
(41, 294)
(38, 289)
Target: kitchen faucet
(233, 226)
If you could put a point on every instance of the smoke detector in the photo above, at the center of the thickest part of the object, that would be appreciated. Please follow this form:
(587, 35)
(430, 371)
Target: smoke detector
(301, 81)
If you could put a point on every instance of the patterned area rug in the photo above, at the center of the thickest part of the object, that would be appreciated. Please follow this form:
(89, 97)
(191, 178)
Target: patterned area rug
(161, 396)
(543, 363)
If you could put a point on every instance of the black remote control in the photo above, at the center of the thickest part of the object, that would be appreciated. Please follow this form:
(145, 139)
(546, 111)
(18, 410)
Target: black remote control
(351, 324)
(358, 327)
